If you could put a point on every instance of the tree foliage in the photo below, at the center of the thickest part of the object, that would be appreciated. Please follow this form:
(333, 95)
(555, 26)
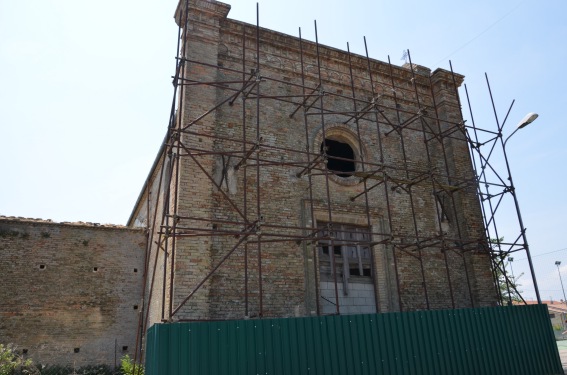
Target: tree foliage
(508, 285)
(11, 363)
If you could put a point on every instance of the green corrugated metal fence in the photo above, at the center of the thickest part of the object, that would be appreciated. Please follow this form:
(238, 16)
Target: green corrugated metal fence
(498, 340)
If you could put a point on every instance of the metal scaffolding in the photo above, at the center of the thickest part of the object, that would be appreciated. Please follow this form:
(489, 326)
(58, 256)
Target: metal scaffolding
(248, 228)
(495, 189)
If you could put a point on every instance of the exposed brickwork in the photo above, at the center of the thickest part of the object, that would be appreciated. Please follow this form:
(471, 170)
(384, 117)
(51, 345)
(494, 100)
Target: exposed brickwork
(68, 286)
(416, 133)
(74, 286)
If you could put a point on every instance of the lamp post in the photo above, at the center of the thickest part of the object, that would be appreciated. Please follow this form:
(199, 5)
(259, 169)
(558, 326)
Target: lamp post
(510, 260)
(528, 119)
(512, 293)
(558, 263)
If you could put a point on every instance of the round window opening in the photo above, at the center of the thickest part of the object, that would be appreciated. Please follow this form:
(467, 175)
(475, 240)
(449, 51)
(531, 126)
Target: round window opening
(340, 157)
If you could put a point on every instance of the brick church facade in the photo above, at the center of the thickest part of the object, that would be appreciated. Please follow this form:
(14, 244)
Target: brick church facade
(295, 180)
(311, 180)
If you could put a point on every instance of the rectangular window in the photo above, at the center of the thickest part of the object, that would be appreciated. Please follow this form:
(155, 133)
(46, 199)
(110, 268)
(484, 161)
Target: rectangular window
(346, 249)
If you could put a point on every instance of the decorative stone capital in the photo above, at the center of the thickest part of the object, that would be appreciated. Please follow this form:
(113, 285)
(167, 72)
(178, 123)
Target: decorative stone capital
(444, 77)
(445, 85)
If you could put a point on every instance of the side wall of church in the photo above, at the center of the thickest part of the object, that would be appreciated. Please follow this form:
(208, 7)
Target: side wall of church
(70, 292)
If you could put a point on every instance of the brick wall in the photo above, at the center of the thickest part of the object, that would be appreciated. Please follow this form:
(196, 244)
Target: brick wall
(420, 259)
(70, 292)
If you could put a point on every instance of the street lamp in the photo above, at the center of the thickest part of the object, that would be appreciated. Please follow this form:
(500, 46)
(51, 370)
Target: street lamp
(528, 119)
(510, 260)
(558, 263)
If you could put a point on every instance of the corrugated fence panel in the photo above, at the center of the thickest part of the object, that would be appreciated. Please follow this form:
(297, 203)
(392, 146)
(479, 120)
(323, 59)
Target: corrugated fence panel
(499, 340)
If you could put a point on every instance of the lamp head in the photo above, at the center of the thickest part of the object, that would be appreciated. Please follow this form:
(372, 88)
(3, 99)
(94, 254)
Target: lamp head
(528, 119)
(557, 263)
(510, 259)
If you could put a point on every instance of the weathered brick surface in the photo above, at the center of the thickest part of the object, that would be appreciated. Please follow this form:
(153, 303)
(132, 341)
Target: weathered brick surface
(415, 136)
(68, 287)
(74, 286)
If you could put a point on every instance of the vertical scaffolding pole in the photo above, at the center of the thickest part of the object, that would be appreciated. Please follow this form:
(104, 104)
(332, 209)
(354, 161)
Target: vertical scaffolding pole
(409, 190)
(310, 181)
(512, 190)
(480, 176)
(244, 172)
(362, 166)
(375, 110)
(321, 111)
(258, 140)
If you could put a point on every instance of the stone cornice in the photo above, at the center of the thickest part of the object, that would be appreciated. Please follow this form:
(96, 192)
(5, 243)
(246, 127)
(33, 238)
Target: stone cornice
(31, 221)
(283, 50)
(211, 8)
(439, 75)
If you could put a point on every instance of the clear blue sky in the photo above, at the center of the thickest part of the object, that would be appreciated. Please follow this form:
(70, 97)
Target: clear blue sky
(85, 94)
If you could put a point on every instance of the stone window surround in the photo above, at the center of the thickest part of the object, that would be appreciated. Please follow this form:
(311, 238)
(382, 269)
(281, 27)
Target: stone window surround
(342, 133)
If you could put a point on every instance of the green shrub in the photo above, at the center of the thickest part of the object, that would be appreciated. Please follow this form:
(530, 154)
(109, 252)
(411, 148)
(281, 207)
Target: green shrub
(85, 370)
(128, 367)
(11, 363)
